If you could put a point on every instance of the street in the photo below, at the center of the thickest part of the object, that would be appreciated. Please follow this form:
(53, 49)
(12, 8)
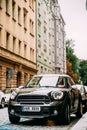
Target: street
(33, 124)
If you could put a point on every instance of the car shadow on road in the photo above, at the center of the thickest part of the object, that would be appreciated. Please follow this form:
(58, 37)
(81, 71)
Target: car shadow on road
(46, 122)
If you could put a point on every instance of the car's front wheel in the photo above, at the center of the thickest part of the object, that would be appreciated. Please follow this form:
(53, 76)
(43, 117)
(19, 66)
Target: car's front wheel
(80, 110)
(67, 115)
(14, 119)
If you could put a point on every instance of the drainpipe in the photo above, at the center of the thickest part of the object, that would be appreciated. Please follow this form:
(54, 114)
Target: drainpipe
(36, 30)
(55, 43)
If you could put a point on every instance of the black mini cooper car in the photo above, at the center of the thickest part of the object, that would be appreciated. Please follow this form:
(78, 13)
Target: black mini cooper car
(49, 95)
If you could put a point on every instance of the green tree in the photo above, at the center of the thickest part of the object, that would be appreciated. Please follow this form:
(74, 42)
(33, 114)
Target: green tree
(72, 58)
(70, 72)
(83, 71)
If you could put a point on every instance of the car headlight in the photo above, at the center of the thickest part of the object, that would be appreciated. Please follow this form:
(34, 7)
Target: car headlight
(56, 95)
(13, 95)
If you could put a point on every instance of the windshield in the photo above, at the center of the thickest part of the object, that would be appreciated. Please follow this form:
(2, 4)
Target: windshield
(43, 81)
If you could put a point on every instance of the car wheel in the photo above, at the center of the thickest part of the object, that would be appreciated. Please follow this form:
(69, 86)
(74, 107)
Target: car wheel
(3, 103)
(67, 115)
(80, 110)
(85, 106)
(14, 119)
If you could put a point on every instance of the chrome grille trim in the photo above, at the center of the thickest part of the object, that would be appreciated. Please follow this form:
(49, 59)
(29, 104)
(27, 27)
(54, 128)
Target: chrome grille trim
(33, 99)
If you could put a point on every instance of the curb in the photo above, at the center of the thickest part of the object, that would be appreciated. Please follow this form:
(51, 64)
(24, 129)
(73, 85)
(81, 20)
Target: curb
(81, 124)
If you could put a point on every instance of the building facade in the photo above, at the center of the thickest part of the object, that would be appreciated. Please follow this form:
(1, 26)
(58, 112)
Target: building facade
(43, 36)
(17, 42)
(59, 44)
(50, 38)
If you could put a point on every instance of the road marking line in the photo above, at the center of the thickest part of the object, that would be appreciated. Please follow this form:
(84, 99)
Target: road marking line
(5, 124)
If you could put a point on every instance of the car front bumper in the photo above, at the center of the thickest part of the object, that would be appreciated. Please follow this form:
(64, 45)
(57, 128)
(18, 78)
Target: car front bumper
(46, 110)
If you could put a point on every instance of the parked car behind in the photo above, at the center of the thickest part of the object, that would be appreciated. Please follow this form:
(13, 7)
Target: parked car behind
(85, 88)
(2, 99)
(49, 95)
(83, 94)
(7, 92)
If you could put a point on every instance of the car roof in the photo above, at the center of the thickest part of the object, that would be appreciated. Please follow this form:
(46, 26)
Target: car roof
(79, 85)
(45, 75)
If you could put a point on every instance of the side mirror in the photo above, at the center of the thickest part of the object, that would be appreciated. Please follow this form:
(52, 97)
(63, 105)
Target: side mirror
(74, 86)
(20, 87)
(60, 86)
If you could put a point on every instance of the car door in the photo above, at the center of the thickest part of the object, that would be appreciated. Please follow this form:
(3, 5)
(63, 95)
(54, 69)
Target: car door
(73, 93)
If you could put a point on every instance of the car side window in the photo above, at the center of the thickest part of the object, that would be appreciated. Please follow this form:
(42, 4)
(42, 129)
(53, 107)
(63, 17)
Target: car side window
(60, 83)
(65, 82)
(70, 82)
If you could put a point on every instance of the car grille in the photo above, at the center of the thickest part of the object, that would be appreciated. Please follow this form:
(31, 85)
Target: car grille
(33, 99)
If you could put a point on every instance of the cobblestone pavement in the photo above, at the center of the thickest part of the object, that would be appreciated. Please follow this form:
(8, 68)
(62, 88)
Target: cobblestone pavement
(29, 124)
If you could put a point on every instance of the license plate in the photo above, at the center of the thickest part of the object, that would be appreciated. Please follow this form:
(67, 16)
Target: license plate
(30, 109)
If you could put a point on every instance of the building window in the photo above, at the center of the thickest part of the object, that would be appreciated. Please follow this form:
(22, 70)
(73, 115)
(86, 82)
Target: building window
(39, 43)
(39, 10)
(41, 69)
(25, 78)
(25, 19)
(31, 27)
(49, 52)
(45, 70)
(19, 15)
(44, 16)
(31, 4)
(7, 78)
(19, 47)
(25, 0)
(13, 9)
(39, 7)
(7, 6)
(45, 34)
(39, 27)
(45, 48)
(14, 44)
(25, 46)
(7, 40)
(0, 4)
(31, 54)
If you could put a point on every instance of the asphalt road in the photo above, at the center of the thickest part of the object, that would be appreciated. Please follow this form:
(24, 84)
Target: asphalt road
(33, 124)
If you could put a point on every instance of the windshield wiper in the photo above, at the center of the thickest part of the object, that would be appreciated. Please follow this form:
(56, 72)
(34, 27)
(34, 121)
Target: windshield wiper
(47, 86)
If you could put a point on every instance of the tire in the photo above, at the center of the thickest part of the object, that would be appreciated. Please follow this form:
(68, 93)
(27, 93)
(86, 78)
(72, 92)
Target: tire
(85, 107)
(14, 119)
(3, 103)
(67, 115)
(80, 110)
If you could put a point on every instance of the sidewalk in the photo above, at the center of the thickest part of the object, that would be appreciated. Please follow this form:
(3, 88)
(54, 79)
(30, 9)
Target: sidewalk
(81, 124)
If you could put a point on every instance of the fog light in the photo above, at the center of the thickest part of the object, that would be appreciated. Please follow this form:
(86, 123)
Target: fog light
(55, 112)
(12, 111)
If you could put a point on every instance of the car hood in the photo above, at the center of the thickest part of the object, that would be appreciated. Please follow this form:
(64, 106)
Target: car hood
(38, 91)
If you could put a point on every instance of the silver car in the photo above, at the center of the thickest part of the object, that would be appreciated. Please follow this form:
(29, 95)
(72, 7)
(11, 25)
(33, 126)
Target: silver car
(83, 94)
(2, 99)
(7, 92)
